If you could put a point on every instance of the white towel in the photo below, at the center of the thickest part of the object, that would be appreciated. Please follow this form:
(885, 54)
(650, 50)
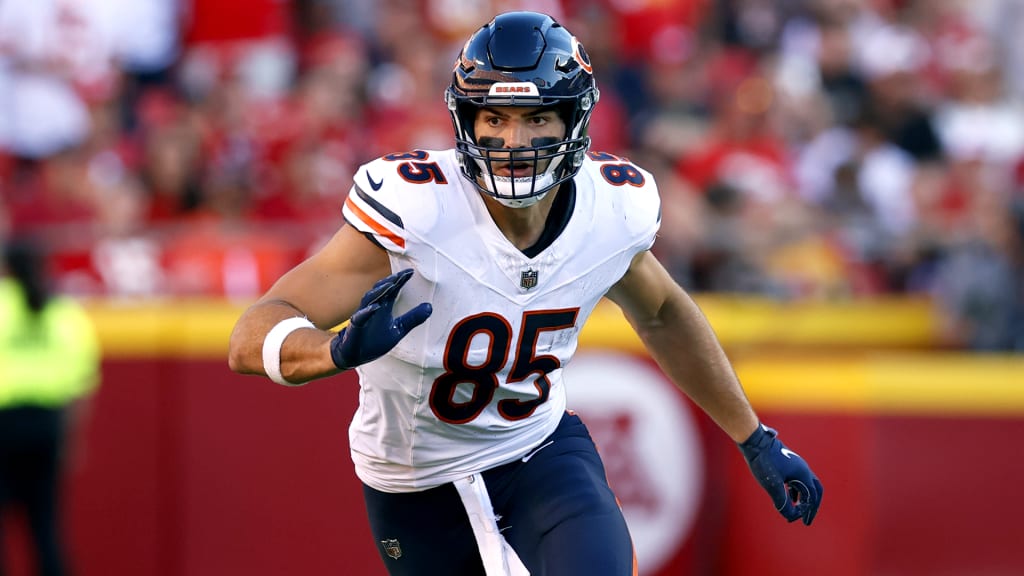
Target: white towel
(499, 558)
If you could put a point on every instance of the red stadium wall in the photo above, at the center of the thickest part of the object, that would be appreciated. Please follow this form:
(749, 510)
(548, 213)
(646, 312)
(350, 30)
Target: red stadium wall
(183, 468)
(193, 470)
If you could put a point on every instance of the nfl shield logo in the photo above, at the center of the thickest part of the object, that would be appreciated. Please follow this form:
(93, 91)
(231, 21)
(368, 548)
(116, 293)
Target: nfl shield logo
(528, 279)
(391, 548)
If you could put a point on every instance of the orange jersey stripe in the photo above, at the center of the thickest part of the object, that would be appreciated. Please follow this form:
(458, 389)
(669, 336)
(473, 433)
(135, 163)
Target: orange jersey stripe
(377, 227)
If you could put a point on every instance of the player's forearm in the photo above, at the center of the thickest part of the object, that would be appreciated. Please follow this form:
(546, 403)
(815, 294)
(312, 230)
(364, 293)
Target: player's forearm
(304, 354)
(683, 343)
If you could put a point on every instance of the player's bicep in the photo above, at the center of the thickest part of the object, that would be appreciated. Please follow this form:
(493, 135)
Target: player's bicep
(643, 290)
(327, 286)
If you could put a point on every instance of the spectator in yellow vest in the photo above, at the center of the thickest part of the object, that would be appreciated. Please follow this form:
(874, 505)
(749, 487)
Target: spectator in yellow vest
(49, 359)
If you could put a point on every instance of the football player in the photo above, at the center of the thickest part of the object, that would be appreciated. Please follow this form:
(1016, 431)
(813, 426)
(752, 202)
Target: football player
(466, 276)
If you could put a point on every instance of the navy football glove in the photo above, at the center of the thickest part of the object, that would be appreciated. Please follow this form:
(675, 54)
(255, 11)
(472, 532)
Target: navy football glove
(372, 331)
(794, 489)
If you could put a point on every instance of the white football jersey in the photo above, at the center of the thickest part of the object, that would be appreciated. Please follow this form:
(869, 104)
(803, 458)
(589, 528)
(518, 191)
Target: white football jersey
(480, 382)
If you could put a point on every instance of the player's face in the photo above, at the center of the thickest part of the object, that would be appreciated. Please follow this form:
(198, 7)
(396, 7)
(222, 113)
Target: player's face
(517, 127)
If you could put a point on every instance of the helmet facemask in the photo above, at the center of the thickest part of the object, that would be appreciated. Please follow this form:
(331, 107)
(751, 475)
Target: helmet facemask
(544, 164)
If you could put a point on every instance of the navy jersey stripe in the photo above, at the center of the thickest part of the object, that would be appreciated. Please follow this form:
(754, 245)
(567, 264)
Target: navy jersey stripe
(380, 208)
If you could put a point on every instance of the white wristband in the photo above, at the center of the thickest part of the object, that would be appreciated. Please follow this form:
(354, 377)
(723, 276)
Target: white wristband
(272, 346)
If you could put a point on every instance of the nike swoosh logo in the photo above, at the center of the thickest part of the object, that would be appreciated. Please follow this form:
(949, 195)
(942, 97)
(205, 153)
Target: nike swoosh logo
(375, 185)
(539, 448)
(788, 453)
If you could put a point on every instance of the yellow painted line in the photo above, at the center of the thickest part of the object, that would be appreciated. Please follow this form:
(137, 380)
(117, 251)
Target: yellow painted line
(183, 328)
(201, 327)
(752, 321)
(905, 383)
(812, 385)
(810, 376)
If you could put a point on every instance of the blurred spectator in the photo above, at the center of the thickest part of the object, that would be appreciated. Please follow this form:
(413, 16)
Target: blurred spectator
(894, 56)
(980, 281)
(54, 55)
(147, 46)
(51, 195)
(742, 168)
(49, 362)
(171, 165)
(684, 224)
(977, 120)
(403, 97)
(676, 107)
(864, 187)
(730, 255)
(818, 73)
(741, 147)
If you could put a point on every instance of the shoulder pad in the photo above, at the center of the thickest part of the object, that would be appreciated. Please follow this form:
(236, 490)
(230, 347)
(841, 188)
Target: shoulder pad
(630, 188)
(389, 190)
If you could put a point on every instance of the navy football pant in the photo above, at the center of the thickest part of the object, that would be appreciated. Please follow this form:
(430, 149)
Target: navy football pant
(556, 511)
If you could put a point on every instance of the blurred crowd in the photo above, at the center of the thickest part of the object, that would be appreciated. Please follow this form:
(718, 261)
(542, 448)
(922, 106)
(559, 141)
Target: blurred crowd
(825, 149)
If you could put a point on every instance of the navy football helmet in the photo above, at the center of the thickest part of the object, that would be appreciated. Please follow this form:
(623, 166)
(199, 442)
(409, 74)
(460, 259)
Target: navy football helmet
(522, 59)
